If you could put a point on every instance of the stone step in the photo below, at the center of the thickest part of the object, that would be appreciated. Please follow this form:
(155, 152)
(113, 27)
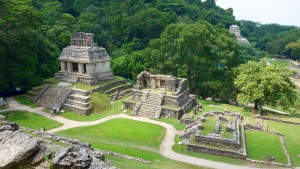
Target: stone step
(117, 96)
(28, 96)
(110, 85)
(118, 88)
(148, 108)
(77, 109)
(79, 98)
(77, 103)
(146, 111)
(80, 92)
(146, 114)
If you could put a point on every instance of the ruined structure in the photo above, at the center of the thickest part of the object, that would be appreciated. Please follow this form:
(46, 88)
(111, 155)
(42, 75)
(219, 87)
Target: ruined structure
(231, 144)
(83, 61)
(160, 96)
(237, 32)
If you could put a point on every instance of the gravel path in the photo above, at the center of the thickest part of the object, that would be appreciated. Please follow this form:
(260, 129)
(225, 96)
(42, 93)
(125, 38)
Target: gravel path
(165, 147)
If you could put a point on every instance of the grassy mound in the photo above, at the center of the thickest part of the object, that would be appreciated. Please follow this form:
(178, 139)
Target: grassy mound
(102, 108)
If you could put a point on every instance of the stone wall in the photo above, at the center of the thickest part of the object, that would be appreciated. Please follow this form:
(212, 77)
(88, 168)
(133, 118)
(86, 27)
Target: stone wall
(217, 141)
(277, 120)
(109, 85)
(214, 151)
(170, 101)
(128, 105)
(182, 86)
(189, 104)
(166, 112)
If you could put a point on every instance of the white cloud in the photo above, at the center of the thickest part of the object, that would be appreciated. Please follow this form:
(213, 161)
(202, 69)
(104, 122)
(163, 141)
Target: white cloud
(285, 12)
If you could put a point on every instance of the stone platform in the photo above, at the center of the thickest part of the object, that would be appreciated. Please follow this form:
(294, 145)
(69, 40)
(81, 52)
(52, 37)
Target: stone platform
(160, 96)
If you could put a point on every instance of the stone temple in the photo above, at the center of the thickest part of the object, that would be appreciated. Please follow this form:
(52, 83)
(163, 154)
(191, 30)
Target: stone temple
(237, 32)
(83, 61)
(160, 96)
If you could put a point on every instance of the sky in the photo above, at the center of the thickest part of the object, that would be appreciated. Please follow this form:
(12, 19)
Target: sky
(284, 12)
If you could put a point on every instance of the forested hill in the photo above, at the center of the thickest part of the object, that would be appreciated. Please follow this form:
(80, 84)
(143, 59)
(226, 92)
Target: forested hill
(187, 38)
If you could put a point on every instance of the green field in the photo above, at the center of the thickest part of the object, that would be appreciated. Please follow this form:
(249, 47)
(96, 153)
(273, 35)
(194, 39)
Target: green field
(210, 106)
(173, 121)
(291, 138)
(159, 163)
(102, 108)
(178, 148)
(31, 120)
(23, 100)
(121, 135)
(262, 145)
(130, 137)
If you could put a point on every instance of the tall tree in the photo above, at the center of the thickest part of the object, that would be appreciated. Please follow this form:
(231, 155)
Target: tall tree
(261, 83)
(201, 52)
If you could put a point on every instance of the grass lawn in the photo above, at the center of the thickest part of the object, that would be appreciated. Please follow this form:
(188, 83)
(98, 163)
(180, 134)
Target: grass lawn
(53, 80)
(178, 148)
(210, 106)
(291, 138)
(283, 64)
(102, 108)
(175, 122)
(121, 135)
(209, 125)
(262, 145)
(31, 120)
(161, 163)
(23, 100)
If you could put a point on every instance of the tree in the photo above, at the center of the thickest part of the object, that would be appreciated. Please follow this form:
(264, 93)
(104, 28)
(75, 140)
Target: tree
(262, 83)
(293, 49)
(200, 52)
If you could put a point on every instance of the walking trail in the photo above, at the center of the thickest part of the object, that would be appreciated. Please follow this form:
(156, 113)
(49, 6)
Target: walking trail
(165, 147)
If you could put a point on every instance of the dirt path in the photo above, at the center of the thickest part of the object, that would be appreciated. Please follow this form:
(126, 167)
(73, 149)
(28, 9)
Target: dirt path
(165, 147)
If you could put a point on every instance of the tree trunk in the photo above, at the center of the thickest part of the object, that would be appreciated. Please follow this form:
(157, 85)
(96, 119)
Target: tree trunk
(256, 105)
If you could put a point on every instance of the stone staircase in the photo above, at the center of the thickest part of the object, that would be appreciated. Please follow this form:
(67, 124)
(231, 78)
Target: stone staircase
(116, 89)
(78, 101)
(149, 106)
(53, 96)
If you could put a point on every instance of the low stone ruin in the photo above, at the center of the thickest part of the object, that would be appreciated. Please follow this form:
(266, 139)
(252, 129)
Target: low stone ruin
(19, 148)
(237, 147)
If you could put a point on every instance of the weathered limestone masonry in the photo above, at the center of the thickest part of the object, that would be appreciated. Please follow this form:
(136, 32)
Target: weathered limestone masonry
(237, 32)
(84, 62)
(78, 102)
(238, 146)
(53, 96)
(21, 148)
(160, 96)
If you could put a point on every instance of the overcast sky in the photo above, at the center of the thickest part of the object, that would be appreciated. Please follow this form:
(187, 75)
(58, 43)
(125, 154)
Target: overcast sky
(284, 12)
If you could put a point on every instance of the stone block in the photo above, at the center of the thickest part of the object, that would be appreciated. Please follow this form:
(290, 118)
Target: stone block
(200, 126)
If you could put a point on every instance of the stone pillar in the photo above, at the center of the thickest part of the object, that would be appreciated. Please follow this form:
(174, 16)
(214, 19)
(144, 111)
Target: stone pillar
(80, 68)
(153, 82)
(88, 68)
(62, 66)
(69, 67)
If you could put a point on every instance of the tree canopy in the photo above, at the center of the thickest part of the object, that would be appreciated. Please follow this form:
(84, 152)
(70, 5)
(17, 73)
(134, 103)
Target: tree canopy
(261, 83)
